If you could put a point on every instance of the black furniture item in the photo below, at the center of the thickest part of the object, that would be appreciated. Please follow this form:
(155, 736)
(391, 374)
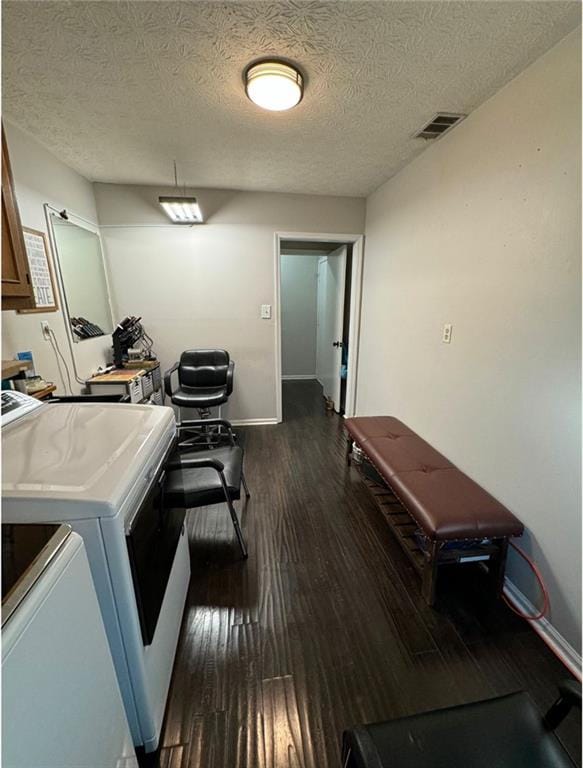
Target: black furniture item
(507, 732)
(205, 381)
(127, 333)
(207, 477)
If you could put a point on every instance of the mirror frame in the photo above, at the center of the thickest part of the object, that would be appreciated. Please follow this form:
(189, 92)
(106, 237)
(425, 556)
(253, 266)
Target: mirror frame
(53, 215)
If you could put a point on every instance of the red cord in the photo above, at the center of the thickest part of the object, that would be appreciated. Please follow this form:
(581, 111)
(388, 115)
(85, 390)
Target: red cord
(542, 585)
(546, 603)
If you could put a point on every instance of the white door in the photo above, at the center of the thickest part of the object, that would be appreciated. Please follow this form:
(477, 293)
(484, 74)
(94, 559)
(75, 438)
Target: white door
(331, 282)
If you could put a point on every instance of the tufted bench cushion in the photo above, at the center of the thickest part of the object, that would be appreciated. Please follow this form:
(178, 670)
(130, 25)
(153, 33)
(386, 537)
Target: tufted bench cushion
(403, 453)
(444, 502)
(362, 428)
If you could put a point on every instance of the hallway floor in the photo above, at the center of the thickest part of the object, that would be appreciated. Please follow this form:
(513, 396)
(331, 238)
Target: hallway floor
(324, 626)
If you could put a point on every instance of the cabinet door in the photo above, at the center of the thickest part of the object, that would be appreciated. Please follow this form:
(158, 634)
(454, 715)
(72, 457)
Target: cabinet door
(16, 288)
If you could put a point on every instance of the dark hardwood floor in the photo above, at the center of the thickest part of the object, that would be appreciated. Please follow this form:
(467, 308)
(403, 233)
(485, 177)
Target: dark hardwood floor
(324, 626)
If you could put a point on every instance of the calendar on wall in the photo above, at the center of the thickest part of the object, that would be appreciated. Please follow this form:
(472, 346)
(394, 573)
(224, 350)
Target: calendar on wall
(41, 271)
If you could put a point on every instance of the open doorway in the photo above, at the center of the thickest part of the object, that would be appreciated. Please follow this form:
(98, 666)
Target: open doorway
(318, 287)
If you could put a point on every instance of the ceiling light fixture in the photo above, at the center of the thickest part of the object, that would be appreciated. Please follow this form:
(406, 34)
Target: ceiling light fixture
(274, 84)
(181, 209)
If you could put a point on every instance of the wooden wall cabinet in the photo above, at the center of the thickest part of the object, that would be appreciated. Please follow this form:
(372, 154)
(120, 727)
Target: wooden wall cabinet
(17, 290)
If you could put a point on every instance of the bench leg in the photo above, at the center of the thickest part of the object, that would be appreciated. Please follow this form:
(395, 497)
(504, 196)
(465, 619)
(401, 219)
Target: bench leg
(497, 567)
(348, 451)
(428, 588)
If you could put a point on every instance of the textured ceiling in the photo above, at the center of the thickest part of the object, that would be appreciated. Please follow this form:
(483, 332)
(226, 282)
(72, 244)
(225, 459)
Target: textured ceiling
(119, 89)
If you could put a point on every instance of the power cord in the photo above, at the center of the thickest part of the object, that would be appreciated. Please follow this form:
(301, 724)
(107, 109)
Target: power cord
(58, 353)
(546, 601)
(76, 377)
(534, 618)
(58, 364)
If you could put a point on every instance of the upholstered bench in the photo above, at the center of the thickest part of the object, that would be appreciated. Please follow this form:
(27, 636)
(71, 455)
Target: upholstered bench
(452, 518)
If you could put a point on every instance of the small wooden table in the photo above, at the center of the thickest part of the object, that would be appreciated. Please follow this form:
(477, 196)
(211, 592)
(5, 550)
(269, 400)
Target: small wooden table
(122, 382)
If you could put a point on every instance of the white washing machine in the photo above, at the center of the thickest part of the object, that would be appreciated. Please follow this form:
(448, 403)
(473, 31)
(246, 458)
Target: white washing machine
(100, 468)
(58, 710)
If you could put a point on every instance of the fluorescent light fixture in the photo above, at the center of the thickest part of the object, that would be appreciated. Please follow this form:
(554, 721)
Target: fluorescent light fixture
(274, 85)
(181, 210)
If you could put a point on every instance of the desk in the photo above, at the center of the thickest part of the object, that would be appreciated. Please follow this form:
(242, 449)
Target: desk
(142, 384)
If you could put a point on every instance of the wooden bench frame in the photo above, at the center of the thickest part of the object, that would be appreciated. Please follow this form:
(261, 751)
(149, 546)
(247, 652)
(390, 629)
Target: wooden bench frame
(403, 526)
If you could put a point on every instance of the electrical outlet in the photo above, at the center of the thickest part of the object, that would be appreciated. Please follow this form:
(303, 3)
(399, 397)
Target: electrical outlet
(266, 311)
(446, 333)
(46, 329)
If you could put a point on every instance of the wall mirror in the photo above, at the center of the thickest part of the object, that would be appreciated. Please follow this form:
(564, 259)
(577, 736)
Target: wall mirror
(83, 279)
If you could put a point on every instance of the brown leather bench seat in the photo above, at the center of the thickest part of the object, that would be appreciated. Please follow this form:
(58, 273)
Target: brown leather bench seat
(445, 503)
(364, 427)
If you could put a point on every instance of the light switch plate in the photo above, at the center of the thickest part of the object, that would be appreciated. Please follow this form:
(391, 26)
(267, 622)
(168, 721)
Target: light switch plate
(446, 333)
(266, 311)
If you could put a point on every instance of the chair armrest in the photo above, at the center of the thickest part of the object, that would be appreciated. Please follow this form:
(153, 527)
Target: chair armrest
(168, 379)
(569, 696)
(230, 375)
(179, 463)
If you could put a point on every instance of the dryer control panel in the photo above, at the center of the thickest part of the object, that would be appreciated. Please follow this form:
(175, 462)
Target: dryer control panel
(16, 404)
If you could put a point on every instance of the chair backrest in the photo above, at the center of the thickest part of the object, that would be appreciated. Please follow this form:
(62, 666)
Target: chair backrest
(203, 368)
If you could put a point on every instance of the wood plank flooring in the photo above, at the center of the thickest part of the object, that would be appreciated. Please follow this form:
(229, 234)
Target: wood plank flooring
(324, 626)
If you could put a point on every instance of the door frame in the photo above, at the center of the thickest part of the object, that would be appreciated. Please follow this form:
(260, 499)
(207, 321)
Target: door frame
(357, 242)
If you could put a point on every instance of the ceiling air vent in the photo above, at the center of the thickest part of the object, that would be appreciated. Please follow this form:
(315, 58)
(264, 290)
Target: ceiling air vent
(438, 125)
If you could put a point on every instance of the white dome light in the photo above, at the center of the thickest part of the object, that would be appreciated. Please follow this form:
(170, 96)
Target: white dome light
(274, 85)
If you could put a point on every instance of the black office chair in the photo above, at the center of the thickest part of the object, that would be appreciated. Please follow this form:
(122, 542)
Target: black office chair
(205, 381)
(206, 477)
(507, 732)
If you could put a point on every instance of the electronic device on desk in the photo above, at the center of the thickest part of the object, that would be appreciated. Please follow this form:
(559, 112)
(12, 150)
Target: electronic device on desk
(85, 329)
(128, 334)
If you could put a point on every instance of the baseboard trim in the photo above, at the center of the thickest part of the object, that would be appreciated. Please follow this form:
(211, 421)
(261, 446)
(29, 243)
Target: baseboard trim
(543, 627)
(301, 377)
(253, 422)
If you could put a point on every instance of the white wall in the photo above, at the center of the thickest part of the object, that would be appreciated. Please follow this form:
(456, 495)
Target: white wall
(204, 285)
(483, 231)
(299, 288)
(40, 178)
